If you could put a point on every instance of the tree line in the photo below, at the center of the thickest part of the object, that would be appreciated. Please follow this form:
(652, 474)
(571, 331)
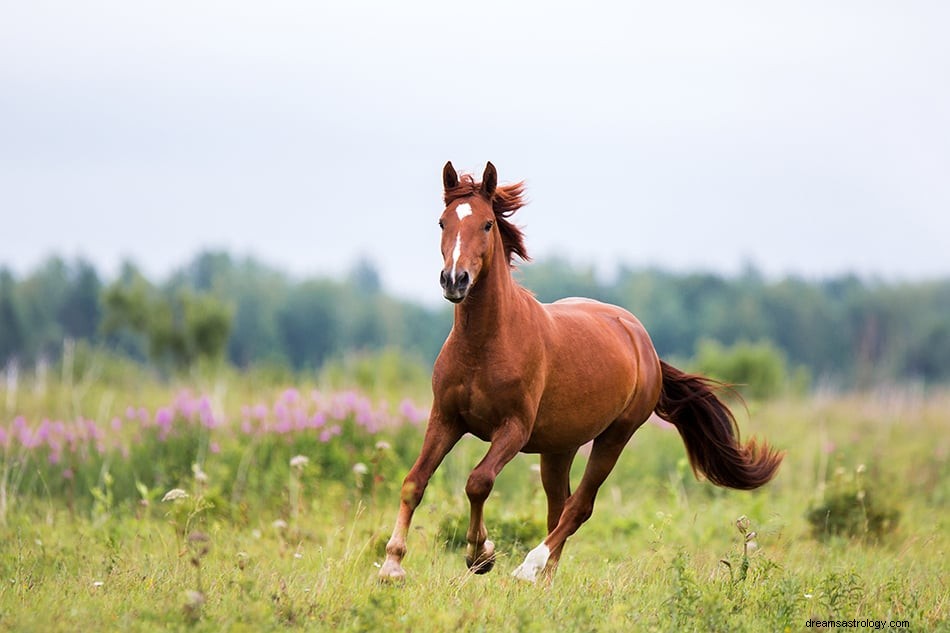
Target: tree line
(850, 330)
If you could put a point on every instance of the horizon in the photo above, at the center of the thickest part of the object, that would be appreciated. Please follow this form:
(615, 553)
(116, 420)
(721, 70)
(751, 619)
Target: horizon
(602, 278)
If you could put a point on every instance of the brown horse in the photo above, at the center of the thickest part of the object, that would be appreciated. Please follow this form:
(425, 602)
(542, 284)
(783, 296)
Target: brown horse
(547, 379)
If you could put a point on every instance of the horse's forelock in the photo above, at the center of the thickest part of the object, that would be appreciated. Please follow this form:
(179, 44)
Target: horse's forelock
(506, 200)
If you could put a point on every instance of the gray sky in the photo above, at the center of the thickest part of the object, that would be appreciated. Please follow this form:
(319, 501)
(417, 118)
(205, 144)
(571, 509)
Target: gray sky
(810, 138)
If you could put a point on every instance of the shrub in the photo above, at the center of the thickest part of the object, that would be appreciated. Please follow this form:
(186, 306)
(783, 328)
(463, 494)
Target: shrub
(852, 508)
(758, 370)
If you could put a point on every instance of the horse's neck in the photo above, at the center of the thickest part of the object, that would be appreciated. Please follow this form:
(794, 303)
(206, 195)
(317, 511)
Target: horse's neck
(495, 307)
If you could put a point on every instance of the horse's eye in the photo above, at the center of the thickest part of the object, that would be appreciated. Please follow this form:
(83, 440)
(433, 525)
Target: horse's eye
(441, 224)
(488, 226)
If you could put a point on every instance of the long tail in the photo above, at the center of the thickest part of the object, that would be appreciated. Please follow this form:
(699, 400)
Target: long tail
(711, 435)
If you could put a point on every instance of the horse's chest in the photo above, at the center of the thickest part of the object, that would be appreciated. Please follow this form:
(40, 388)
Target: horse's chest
(484, 403)
(478, 411)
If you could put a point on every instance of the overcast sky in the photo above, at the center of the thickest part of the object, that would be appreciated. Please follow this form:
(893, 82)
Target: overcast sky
(811, 138)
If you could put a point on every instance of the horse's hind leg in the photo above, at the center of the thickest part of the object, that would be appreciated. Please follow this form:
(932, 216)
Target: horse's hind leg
(580, 505)
(556, 479)
(439, 439)
(505, 444)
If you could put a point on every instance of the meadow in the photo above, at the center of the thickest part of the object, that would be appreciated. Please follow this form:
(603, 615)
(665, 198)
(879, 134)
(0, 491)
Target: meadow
(226, 501)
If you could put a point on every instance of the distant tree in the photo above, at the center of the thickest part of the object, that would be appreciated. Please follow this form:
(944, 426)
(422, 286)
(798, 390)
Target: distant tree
(257, 294)
(179, 326)
(653, 298)
(854, 331)
(41, 295)
(309, 323)
(80, 311)
(13, 326)
(364, 278)
(207, 271)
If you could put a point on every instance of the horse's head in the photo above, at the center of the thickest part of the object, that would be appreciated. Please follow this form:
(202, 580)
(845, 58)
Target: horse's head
(469, 232)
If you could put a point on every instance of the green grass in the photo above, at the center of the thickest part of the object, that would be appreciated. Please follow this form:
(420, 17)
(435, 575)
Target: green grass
(662, 552)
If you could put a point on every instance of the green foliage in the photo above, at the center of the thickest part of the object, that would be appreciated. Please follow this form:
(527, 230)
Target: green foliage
(13, 326)
(853, 507)
(758, 370)
(845, 330)
(57, 301)
(180, 327)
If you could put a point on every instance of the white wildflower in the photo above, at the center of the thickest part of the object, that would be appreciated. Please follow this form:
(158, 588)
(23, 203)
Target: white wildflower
(279, 524)
(383, 445)
(174, 494)
(360, 468)
(299, 461)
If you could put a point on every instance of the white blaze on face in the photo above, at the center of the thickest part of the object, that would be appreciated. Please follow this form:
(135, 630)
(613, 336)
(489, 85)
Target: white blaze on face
(455, 253)
(463, 211)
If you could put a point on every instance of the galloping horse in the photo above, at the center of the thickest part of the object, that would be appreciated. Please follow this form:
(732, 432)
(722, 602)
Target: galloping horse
(534, 378)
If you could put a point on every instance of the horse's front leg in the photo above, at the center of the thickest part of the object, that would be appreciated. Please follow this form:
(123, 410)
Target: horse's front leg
(506, 442)
(441, 435)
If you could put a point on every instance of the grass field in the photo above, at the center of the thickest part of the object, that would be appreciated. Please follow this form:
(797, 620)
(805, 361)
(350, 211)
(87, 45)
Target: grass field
(855, 527)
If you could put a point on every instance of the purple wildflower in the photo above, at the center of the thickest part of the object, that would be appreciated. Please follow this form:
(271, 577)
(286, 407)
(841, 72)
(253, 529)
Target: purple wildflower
(411, 412)
(164, 416)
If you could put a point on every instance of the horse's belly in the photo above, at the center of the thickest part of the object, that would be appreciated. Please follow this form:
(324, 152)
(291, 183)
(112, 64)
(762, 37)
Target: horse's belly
(575, 417)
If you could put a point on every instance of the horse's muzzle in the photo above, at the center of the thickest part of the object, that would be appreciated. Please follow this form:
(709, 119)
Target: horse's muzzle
(455, 290)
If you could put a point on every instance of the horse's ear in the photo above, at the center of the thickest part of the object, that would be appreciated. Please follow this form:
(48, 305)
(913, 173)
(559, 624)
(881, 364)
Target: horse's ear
(489, 180)
(450, 179)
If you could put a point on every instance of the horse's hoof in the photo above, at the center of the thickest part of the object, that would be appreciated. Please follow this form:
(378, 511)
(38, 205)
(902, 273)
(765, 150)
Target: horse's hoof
(480, 568)
(485, 562)
(391, 571)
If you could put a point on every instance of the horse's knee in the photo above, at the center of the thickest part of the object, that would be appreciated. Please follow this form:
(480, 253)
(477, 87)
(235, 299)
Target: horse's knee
(479, 486)
(412, 491)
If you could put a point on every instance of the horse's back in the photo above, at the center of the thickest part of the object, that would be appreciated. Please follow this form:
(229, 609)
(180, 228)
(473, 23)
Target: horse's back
(581, 314)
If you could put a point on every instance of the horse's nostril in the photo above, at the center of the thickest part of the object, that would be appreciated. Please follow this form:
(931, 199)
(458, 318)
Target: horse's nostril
(443, 279)
(462, 279)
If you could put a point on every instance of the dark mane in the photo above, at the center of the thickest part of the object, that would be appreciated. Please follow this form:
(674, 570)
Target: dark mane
(507, 200)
